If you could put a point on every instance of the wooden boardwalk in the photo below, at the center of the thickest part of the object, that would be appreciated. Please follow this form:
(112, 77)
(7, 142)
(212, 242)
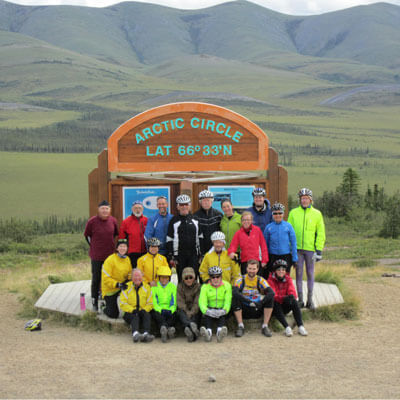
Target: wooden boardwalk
(65, 297)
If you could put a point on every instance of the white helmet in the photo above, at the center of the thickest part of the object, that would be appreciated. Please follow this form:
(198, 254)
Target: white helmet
(218, 235)
(205, 194)
(305, 192)
(183, 199)
(258, 191)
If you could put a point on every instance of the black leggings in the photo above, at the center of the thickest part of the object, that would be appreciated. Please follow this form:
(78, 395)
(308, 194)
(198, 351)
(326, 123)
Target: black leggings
(289, 304)
(134, 319)
(187, 260)
(96, 278)
(162, 320)
(208, 321)
(111, 309)
(183, 317)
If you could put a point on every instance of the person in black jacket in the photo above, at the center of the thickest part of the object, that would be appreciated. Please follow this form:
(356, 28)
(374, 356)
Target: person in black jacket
(184, 238)
(209, 219)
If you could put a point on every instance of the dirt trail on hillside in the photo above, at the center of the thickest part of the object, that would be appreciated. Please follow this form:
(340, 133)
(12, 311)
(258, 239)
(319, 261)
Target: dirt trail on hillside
(337, 360)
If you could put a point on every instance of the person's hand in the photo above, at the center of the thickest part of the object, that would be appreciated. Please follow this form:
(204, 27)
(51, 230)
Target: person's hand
(211, 312)
(122, 285)
(166, 313)
(173, 263)
(263, 265)
(220, 312)
(295, 265)
(233, 256)
(318, 255)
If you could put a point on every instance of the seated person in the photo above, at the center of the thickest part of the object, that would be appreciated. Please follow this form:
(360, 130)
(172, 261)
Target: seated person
(285, 297)
(115, 273)
(187, 299)
(252, 298)
(151, 262)
(136, 302)
(164, 304)
(218, 255)
(215, 302)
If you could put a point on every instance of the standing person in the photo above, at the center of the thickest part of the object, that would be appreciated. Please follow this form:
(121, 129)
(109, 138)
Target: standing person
(285, 297)
(164, 304)
(187, 298)
(151, 262)
(261, 209)
(137, 303)
(115, 274)
(218, 255)
(309, 227)
(252, 298)
(184, 238)
(209, 219)
(157, 225)
(100, 232)
(133, 228)
(281, 240)
(230, 222)
(215, 302)
(251, 241)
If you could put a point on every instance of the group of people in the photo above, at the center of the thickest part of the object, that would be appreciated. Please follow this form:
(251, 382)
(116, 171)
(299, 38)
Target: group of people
(225, 263)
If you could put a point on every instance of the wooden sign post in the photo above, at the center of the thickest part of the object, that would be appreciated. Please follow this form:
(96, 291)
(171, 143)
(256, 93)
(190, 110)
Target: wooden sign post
(181, 144)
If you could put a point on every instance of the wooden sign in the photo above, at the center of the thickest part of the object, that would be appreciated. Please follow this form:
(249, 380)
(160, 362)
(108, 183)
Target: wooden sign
(187, 137)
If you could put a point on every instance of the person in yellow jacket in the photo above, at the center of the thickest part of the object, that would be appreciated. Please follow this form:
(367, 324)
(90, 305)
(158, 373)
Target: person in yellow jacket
(136, 302)
(150, 263)
(308, 225)
(218, 255)
(115, 273)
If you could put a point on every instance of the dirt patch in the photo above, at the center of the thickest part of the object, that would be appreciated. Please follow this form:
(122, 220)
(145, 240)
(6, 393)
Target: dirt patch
(337, 360)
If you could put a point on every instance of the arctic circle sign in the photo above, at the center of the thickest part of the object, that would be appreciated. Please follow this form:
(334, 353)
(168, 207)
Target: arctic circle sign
(187, 137)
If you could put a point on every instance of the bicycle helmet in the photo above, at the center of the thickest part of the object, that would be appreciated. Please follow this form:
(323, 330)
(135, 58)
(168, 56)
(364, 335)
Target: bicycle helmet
(34, 325)
(218, 235)
(305, 192)
(164, 271)
(278, 207)
(205, 194)
(137, 202)
(278, 264)
(122, 241)
(153, 242)
(183, 199)
(214, 271)
(259, 192)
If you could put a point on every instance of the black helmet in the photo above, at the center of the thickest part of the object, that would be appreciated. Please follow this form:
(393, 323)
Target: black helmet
(278, 207)
(278, 264)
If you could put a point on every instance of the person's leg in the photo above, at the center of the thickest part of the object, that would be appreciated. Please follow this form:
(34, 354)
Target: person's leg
(268, 270)
(145, 319)
(309, 259)
(183, 318)
(96, 282)
(299, 276)
(206, 329)
(160, 320)
(111, 308)
(243, 267)
(222, 330)
(268, 304)
(291, 304)
(279, 314)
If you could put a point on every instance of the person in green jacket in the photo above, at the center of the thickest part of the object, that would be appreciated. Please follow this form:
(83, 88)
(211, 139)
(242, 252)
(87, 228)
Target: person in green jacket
(215, 302)
(308, 225)
(230, 222)
(164, 304)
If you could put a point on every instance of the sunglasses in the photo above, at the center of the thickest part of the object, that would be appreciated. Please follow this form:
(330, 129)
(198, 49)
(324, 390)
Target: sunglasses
(188, 278)
(281, 269)
(277, 213)
(184, 205)
(215, 276)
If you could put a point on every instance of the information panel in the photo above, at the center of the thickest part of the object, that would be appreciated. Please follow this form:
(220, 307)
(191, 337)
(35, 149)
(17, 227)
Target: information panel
(240, 196)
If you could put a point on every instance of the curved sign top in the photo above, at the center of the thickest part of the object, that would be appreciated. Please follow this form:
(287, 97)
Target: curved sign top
(187, 137)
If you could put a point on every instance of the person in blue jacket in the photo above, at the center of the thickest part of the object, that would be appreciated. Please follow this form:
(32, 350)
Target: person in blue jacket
(157, 225)
(261, 209)
(281, 240)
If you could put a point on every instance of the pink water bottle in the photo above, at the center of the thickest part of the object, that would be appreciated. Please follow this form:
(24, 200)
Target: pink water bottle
(83, 302)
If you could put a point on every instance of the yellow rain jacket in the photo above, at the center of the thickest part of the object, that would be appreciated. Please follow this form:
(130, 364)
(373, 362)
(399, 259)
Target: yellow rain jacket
(115, 270)
(230, 269)
(150, 265)
(138, 299)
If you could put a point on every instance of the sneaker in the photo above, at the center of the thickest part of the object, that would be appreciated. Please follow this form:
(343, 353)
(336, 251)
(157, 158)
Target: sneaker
(146, 338)
(288, 331)
(136, 336)
(189, 334)
(195, 329)
(206, 334)
(171, 332)
(265, 331)
(164, 334)
(221, 333)
(239, 331)
(302, 331)
(310, 305)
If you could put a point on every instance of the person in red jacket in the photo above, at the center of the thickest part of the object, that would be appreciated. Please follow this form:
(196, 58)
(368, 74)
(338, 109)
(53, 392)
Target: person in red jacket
(285, 298)
(132, 228)
(251, 241)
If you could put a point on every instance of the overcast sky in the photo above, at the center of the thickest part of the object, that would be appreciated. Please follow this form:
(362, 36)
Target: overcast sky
(292, 7)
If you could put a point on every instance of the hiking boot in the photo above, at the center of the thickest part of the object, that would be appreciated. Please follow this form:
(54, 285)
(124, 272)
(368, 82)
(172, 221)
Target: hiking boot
(171, 332)
(265, 331)
(136, 336)
(146, 338)
(189, 334)
(239, 331)
(164, 334)
(195, 329)
(221, 333)
(288, 331)
(302, 331)
(206, 333)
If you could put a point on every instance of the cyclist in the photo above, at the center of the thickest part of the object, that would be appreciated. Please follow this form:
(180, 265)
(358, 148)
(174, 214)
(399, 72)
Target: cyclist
(230, 222)
(261, 209)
